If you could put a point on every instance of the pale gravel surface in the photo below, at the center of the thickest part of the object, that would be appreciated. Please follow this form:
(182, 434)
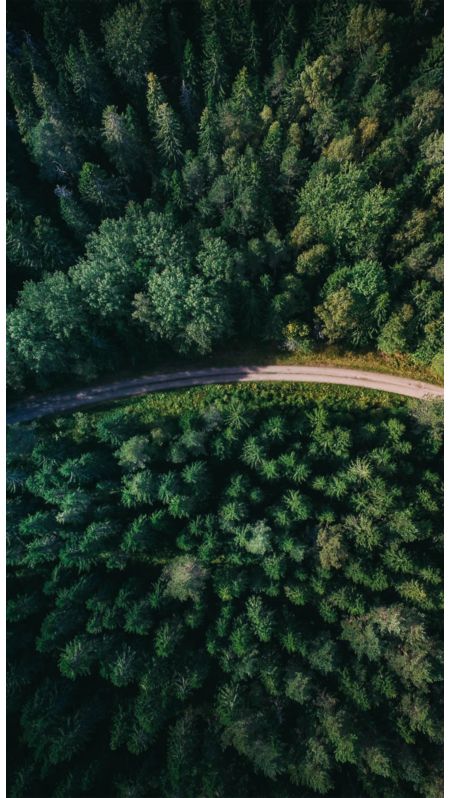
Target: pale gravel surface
(71, 400)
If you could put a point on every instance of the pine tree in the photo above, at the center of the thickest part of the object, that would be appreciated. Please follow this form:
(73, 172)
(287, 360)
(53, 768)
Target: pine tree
(214, 69)
(168, 134)
(155, 97)
(87, 77)
(98, 189)
(132, 35)
(73, 213)
(123, 142)
(272, 149)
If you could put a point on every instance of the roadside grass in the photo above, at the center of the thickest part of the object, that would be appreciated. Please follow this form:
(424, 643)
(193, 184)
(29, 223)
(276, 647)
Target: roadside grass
(400, 365)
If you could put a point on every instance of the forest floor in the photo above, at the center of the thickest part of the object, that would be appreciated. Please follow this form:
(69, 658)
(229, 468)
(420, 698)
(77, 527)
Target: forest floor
(36, 407)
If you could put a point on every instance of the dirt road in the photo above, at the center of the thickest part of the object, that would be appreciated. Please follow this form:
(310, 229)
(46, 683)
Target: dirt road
(71, 400)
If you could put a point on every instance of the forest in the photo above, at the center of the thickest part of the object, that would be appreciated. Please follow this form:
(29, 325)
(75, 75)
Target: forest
(190, 175)
(228, 592)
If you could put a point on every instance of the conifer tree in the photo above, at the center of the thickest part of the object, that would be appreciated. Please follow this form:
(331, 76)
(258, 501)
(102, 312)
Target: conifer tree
(123, 142)
(98, 189)
(132, 34)
(87, 78)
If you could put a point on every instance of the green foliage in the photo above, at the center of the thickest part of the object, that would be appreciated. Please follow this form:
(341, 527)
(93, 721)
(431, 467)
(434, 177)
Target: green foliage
(131, 35)
(73, 213)
(346, 213)
(37, 247)
(87, 76)
(208, 594)
(123, 141)
(185, 578)
(96, 188)
(48, 314)
(356, 304)
(304, 143)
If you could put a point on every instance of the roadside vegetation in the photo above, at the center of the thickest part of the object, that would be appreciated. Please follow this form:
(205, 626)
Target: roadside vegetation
(193, 177)
(227, 591)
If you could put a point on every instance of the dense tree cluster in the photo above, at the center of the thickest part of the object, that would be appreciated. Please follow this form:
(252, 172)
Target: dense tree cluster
(184, 175)
(238, 596)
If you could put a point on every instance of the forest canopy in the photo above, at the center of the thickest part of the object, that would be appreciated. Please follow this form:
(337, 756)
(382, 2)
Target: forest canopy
(189, 175)
(225, 592)
(232, 591)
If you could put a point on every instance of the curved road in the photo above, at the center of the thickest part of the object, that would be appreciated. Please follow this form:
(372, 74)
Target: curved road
(71, 400)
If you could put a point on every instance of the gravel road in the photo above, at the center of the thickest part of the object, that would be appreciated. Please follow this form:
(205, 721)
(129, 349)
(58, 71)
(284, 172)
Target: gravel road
(35, 407)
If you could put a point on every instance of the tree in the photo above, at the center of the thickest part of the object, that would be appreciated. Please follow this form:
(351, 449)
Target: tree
(346, 214)
(98, 189)
(282, 24)
(191, 313)
(39, 248)
(249, 208)
(140, 488)
(291, 165)
(164, 123)
(53, 144)
(73, 213)
(316, 81)
(155, 97)
(185, 578)
(427, 110)
(111, 253)
(87, 76)
(209, 139)
(214, 69)
(132, 35)
(123, 142)
(355, 311)
(190, 310)
(135, 453)
(239, 114)
(272, 149)
(365, 27)
(168, 134)
(395, 335)
(59, 21)
(337, 315)
(48, 332)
